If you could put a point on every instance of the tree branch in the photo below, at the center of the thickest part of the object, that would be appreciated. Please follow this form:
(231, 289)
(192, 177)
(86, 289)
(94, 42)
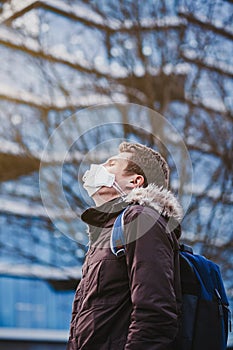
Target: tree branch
(206, 25)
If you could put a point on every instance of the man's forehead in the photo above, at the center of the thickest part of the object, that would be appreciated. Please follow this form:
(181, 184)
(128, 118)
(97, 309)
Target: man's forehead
(121, 156)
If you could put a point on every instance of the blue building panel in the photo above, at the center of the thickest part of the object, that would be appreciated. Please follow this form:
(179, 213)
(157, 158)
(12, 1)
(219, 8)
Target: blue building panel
(33, 303)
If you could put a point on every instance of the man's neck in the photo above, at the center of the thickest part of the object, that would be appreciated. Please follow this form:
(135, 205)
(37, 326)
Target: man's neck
(101, 199)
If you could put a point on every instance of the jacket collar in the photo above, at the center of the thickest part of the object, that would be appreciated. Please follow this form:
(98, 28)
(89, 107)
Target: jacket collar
(162, 200)
(157, 198)
(98, 216)
(153, 196)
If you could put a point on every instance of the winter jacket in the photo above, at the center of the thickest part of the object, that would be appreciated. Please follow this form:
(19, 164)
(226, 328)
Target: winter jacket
(129, 302)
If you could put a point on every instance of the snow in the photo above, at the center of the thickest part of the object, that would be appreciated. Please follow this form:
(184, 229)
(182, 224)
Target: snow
(166, 21)
(78, 10)
(13, 7)
(85, 13)
(21, 208)
(209, 61)
(180, 68)
(11, 36)
(192, 141)
(204, 19)
(29, 23)
(16, 119)
(38, 271)
(56, 53)
(27, 334)
(10, 147)
(214, 104)
(197, 190)
(53, 158)
(59, 54)
(145, 23)
(59, 102)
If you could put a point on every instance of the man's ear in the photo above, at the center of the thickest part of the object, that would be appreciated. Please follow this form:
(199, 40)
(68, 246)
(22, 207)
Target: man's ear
(138, 180)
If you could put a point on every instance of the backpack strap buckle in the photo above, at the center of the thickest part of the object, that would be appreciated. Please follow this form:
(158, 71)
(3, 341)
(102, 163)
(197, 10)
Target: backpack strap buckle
(186, 248)
(120, 252)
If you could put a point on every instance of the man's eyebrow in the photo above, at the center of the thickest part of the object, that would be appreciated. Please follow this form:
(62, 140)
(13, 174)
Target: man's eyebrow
(112, 159)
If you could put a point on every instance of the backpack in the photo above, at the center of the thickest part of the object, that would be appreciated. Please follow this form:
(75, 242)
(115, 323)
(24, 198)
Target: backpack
(205, 314)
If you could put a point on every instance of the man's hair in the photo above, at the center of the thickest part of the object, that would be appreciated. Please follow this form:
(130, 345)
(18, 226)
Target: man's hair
(146, 162)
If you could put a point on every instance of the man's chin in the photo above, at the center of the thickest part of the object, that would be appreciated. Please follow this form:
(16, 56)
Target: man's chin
(106, 190)
(105, 194)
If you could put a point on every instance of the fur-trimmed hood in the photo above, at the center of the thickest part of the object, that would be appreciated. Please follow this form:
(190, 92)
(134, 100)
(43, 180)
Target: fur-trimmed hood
(157, 198)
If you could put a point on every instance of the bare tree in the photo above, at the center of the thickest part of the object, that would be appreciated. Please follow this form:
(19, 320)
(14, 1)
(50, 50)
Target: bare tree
(173, 57)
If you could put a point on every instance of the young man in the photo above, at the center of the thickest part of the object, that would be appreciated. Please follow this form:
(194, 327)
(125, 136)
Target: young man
(129, 302)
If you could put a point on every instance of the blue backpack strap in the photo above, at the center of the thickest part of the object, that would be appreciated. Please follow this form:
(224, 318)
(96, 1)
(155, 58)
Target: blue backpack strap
(117, 240)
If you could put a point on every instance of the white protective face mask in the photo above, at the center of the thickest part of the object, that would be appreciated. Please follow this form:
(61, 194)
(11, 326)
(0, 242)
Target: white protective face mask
(97, 177)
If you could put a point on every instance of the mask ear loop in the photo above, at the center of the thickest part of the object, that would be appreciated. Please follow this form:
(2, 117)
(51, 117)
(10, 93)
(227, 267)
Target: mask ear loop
(118, 188)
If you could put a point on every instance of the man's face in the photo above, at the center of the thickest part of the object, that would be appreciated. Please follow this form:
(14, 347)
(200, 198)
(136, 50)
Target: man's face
(116, 165)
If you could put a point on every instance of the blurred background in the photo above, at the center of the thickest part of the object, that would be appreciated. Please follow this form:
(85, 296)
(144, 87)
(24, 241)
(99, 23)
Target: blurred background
(59, 57)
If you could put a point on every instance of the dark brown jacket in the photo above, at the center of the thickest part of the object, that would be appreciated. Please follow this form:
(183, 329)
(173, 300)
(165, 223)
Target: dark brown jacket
(129, 303)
